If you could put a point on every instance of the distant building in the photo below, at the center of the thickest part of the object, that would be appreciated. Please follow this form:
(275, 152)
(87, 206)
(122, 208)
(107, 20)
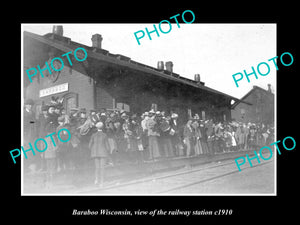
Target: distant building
(260, 107)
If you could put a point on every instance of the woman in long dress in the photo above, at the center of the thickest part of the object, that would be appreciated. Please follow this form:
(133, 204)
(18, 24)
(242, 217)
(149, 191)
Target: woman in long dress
(203, 138)
(198, 136)
(153, 133)
(188, 134)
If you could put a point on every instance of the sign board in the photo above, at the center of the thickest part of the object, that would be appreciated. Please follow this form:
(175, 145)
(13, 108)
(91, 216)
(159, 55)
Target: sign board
(54, 90)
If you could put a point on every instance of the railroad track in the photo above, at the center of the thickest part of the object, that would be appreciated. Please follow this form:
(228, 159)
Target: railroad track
(209, 179)
(154, 180)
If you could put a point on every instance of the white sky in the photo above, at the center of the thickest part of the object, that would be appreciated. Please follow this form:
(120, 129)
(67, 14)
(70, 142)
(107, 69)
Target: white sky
(215, 51)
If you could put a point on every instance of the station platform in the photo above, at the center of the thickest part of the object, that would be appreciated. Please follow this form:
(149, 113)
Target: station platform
(75, 181)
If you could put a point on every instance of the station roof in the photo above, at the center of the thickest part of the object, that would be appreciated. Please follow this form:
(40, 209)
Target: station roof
(66, 45)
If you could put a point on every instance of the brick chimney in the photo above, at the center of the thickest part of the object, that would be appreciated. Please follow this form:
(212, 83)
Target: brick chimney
(58, 30)
(169, 66)
(197, 78)
(97, 41)
(160, 65)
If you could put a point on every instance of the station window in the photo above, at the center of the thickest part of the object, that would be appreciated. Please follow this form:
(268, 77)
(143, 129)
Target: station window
(123, 106)
(71, 101)
(203, 115)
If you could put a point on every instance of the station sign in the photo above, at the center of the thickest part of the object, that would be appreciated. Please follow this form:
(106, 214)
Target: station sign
(54, 90)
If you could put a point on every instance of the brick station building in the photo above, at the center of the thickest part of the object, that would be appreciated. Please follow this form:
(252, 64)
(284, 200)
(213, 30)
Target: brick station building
(111, 81)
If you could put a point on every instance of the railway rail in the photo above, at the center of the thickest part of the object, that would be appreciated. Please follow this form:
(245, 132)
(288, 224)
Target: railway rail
(173, 181)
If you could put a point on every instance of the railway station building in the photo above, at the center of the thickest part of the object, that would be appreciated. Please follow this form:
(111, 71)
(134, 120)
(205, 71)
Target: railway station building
(114, 81)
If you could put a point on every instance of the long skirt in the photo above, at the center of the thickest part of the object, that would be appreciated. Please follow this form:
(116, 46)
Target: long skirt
(204, 146)
(167, 147)
(198, 148)
(153, 147)
(112, 145)
(189, 146)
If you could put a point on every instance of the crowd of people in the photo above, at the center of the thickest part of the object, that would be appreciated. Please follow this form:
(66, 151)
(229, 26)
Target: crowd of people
(113, 137)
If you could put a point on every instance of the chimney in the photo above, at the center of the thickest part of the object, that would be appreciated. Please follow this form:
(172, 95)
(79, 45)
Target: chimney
(58, 30)
(97, 41)
(197, 78)
(160, 65)
(169, 66)
(269, 88)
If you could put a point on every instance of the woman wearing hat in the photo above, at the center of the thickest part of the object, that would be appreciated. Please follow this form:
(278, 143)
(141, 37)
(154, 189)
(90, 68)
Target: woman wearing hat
(63, 148)
(188, 134)
(153, 134)
(99, 152)
(198, 136)
(166, 143)
(175, 135)
(251, 139)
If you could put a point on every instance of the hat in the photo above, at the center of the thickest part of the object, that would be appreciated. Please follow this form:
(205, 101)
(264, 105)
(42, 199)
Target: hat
(152, 111)
(99, 125)
(174, 115)
(124, 115)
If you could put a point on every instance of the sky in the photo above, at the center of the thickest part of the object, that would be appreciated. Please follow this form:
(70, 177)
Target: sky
(215, 51)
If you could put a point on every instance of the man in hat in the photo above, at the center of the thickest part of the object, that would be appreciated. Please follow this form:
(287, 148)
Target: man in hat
(144, 137)
(176, 135)
(165, 137)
